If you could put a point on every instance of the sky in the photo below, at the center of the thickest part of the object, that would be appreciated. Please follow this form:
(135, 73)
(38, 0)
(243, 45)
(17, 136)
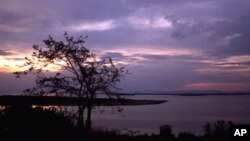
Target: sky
(167, 45)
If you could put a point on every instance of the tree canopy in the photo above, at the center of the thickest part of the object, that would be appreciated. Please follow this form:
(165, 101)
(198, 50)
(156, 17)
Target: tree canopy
(77, 70)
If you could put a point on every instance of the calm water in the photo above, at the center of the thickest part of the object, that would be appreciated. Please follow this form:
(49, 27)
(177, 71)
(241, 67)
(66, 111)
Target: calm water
(183, 113)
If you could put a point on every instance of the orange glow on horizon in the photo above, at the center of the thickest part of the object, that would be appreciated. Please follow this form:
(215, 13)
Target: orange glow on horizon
(12, 63)
(224, 86)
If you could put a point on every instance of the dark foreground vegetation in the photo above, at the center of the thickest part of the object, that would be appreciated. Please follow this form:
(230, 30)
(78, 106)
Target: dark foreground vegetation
(37, 124)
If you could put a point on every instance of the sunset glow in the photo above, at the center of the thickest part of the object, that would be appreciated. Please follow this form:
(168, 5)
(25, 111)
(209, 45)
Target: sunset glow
(220, 86)
(10, 64)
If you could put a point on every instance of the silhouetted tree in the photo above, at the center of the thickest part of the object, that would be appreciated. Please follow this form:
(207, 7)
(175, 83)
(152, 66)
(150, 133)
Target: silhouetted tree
(166, 133)
(67, 68)
(219, 130)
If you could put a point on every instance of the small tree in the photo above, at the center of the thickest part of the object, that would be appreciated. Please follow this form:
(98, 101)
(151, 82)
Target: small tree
(166, 133)
(67, 68)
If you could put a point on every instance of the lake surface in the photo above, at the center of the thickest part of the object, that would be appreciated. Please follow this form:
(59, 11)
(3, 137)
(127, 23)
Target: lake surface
(183, 113)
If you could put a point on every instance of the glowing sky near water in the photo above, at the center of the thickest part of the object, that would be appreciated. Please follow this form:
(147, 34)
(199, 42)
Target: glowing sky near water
(167, 45)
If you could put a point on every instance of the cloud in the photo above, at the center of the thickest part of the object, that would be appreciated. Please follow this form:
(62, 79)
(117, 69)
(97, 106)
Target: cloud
(234, 65)
(141, 55)
(94, 26)
(227, 40)
(20, 22)
(153, 50)
(235, 35)
(118, 57)
(147, 23)
(114, 55)
(5, 53)
(155, 57)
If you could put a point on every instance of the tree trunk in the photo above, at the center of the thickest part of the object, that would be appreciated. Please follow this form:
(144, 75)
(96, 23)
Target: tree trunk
(80, 120)
(88, 121)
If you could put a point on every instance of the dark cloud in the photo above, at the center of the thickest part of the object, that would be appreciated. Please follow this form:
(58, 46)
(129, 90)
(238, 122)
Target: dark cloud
(155, 57)
(9, 83)
(114, 55)
(238, 64)
(233, 45)
(5, 53)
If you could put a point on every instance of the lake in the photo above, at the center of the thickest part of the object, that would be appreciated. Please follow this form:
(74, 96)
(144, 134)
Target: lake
(183, 113)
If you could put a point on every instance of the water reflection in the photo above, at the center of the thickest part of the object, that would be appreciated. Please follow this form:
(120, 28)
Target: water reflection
(183, 113)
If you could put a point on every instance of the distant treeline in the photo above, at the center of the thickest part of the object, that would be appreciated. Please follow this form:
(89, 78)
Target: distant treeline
(189, 94)
(70, 101)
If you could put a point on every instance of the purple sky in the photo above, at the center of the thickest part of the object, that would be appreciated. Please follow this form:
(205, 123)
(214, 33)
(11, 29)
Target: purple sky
(167, 45)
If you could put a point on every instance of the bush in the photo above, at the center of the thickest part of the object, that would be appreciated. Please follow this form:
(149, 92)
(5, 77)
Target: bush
(187, 137)
(166, 133)
(35, 124)
(217, 131)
